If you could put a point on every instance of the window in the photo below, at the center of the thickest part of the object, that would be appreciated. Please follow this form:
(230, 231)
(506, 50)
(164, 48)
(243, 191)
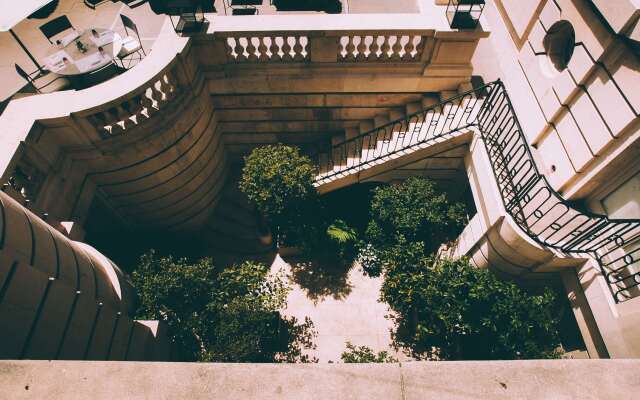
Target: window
(558, 43)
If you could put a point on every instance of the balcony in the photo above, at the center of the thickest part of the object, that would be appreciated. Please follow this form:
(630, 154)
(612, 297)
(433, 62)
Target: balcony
(135, 139)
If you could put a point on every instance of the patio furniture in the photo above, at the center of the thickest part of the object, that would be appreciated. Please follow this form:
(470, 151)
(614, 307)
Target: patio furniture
(130, 44)
(242, 7)
(92, 4)
(48, 83)
(56, 26)
(244, 11)
(91, 51)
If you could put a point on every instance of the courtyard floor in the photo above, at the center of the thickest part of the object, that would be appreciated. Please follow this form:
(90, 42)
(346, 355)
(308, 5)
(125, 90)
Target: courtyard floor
(343, 307)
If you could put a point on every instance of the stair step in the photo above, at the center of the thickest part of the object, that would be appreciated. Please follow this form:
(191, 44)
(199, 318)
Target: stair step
(464, 87)
(337, 138)
(396, 114)
(413, 108)
(428, 101)
(380, 120)
(366, 126)
(447, 94)
(350, 133)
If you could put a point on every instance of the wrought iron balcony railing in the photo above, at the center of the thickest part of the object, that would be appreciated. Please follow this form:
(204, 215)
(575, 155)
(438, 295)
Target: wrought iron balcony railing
(528, 197)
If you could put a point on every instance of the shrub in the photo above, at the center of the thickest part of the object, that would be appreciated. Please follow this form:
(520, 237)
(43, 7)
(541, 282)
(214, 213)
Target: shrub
(414, 210)
(228, 315)
(279, 181)
(451, 310)
(364, 354)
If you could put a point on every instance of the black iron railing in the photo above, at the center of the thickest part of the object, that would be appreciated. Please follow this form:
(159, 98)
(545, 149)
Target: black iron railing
(527, 195)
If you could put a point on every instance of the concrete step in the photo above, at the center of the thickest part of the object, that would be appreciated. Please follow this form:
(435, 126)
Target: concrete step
(380, 120)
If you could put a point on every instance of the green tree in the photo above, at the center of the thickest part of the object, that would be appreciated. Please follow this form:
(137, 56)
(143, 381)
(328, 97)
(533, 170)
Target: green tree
(364, 354)
(414, 210)
(450, 310)
(226, 315)
(279, 181)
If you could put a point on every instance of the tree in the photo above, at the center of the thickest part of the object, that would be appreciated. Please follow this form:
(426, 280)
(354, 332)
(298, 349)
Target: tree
(226, 315)
(364, 354)
(450, 310)
(279, 181)
(414, 211)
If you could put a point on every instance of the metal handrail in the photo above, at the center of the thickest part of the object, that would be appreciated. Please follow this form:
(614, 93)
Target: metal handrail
(528, 198)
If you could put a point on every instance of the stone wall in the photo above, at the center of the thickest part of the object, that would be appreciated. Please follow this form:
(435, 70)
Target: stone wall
(557, 379)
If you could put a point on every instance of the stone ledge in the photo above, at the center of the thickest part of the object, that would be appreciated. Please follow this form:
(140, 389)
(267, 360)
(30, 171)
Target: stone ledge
(539, 379)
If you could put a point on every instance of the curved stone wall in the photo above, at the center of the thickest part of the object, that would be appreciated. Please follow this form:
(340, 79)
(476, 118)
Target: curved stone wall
(59, 299)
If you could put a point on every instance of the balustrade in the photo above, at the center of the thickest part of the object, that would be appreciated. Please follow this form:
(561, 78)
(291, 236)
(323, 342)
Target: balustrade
(117, 117)
(335, 46)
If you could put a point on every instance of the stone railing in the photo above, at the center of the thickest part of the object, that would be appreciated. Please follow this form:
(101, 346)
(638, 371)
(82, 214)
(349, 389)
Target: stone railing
(309, 46)
(137, 106)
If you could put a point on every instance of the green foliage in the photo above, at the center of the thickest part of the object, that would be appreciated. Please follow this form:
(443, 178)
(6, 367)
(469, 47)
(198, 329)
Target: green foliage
(340, 242)
(226, 315)
(415, 211)
(279, 181)
(364, 354)
(451, 310)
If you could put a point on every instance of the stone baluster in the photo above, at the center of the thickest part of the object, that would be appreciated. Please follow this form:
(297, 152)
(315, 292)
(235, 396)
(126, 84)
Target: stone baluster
(350, 48)
(373, 49)
(420, 47)
(362, 48)
(297, 49)
(124, 116)
(262, 49)
(385, 48)
(135, 107)
(239, 49)
(112, 119)
(229, 48)
(147, 103)
(99, 122)
(155, 95)
(396, 49)
(274, 49)
(166, 88)
(286, 49)
(408, 49)
(251, 49)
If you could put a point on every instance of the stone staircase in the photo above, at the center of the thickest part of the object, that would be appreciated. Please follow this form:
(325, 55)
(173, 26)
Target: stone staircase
(396, 134)
(436, 125)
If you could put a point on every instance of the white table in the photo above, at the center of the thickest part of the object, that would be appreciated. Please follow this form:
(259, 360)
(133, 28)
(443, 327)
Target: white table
(70, 61)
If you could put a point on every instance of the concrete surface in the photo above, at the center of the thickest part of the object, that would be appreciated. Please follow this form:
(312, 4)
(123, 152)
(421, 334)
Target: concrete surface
(558, 379)
(343, 307)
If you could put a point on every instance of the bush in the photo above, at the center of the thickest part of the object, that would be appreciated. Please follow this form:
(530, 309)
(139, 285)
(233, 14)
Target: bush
(451, 310)
(364, 354)
(279, 181)
(228, 315)
(415, 211)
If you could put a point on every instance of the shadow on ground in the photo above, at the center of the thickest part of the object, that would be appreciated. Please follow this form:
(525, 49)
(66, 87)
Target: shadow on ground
(321, 280)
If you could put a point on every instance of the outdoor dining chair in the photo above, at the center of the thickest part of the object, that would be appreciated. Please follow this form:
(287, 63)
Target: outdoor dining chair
(48, 83)
(55, 26)
(130, 44)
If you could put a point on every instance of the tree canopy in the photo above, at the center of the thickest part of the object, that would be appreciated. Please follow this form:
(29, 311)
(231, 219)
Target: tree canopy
(415, 211)
(224, 315)
(451, 310)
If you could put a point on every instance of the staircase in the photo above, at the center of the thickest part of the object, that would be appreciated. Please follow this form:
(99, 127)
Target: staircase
(527, 195)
